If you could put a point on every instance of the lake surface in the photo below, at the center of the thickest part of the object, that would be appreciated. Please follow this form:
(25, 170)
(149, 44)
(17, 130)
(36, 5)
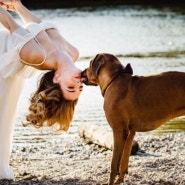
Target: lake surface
(152, 40)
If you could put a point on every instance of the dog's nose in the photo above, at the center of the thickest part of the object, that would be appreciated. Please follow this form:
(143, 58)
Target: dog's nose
(83, 73)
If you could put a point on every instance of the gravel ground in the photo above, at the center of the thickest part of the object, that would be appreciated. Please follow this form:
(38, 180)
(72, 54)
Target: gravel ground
(42, 158)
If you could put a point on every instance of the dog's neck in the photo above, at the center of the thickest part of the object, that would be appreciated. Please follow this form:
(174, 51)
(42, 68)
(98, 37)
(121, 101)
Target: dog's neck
(104, 89)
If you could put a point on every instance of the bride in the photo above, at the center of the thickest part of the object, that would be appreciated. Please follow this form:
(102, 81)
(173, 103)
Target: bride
(36, 45)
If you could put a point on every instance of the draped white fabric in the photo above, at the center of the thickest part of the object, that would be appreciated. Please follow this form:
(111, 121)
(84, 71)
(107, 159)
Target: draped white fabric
(12, 75)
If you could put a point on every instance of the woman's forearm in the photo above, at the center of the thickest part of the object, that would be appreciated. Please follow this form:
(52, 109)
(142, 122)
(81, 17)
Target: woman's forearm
(26, 15)
(7, 20)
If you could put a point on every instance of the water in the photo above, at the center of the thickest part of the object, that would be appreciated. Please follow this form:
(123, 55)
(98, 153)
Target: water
(151, 39)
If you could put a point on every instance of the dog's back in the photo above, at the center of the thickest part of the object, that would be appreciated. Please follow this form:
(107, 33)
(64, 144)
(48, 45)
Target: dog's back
(153, 99)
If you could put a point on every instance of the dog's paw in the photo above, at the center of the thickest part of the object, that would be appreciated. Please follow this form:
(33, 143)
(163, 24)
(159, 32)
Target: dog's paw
(105, 183)
(119, 181)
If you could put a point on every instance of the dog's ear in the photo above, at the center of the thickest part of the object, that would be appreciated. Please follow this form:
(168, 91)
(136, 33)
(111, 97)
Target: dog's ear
(97, 62)
(128, 69)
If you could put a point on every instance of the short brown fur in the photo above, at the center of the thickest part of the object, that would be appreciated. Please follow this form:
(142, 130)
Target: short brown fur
(133, 104)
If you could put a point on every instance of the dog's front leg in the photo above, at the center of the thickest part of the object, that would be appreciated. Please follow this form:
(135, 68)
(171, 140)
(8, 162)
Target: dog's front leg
(119, 142)
(125, 157)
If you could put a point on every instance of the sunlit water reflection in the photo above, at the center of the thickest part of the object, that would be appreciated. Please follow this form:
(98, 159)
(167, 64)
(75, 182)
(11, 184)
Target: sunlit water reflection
(152, 40)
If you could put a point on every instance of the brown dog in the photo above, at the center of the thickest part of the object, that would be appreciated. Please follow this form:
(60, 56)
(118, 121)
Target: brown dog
(133, 104)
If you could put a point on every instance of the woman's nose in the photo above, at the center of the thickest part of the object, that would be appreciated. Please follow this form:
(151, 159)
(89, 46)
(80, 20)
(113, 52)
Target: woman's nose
(78, 82)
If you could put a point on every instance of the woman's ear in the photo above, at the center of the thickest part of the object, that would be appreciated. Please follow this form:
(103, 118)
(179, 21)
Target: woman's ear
(56, 78)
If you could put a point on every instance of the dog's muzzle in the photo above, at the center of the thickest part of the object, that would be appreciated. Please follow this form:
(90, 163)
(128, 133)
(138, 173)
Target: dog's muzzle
(84, 76)
(86, 80)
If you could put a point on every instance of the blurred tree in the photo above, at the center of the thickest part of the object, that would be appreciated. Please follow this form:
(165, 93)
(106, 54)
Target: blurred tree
(36, 4)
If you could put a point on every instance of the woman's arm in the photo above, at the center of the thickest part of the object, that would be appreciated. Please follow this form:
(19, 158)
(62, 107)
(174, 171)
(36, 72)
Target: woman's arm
(26, 15)
(7, 20)
(16, 5)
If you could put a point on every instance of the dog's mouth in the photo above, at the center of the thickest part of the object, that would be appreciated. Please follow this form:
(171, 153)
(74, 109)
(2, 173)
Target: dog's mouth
(84, 76)
(83, 79)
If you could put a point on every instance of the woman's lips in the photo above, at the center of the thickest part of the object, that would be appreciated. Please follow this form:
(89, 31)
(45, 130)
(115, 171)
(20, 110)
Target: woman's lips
(81, 79)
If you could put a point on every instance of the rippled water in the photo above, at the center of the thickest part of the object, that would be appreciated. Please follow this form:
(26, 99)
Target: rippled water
(151, 39)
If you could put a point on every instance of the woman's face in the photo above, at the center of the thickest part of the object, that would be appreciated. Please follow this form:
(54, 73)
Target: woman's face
(71, 84)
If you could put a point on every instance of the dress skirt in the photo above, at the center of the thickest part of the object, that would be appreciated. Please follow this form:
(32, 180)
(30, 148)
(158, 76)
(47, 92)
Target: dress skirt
(12, 76)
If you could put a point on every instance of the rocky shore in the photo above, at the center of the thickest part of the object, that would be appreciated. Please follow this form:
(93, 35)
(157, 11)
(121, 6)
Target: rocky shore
(40, 157)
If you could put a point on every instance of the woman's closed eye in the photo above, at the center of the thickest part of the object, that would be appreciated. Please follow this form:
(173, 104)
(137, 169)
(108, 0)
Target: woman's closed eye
(72, 89)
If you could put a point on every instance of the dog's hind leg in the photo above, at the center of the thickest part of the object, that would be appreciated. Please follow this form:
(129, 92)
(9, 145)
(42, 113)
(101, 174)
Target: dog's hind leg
(125, 157)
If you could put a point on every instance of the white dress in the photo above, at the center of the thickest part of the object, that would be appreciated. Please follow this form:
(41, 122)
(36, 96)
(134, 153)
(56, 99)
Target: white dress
(12, 75)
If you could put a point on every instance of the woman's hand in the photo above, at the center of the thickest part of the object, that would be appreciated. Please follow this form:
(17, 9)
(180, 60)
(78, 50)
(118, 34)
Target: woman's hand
(9, 4)
(16, 5)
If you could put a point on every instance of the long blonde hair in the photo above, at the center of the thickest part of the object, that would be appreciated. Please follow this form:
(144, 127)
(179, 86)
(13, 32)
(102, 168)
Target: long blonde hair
(48, 106)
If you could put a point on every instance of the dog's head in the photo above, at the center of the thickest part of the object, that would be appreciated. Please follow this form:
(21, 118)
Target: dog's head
(107, 65)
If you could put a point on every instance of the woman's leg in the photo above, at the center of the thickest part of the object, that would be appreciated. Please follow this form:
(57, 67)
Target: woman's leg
(8, 112)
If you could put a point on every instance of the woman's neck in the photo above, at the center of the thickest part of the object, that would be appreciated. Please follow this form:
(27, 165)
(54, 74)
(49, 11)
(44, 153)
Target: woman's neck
(65, 64)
